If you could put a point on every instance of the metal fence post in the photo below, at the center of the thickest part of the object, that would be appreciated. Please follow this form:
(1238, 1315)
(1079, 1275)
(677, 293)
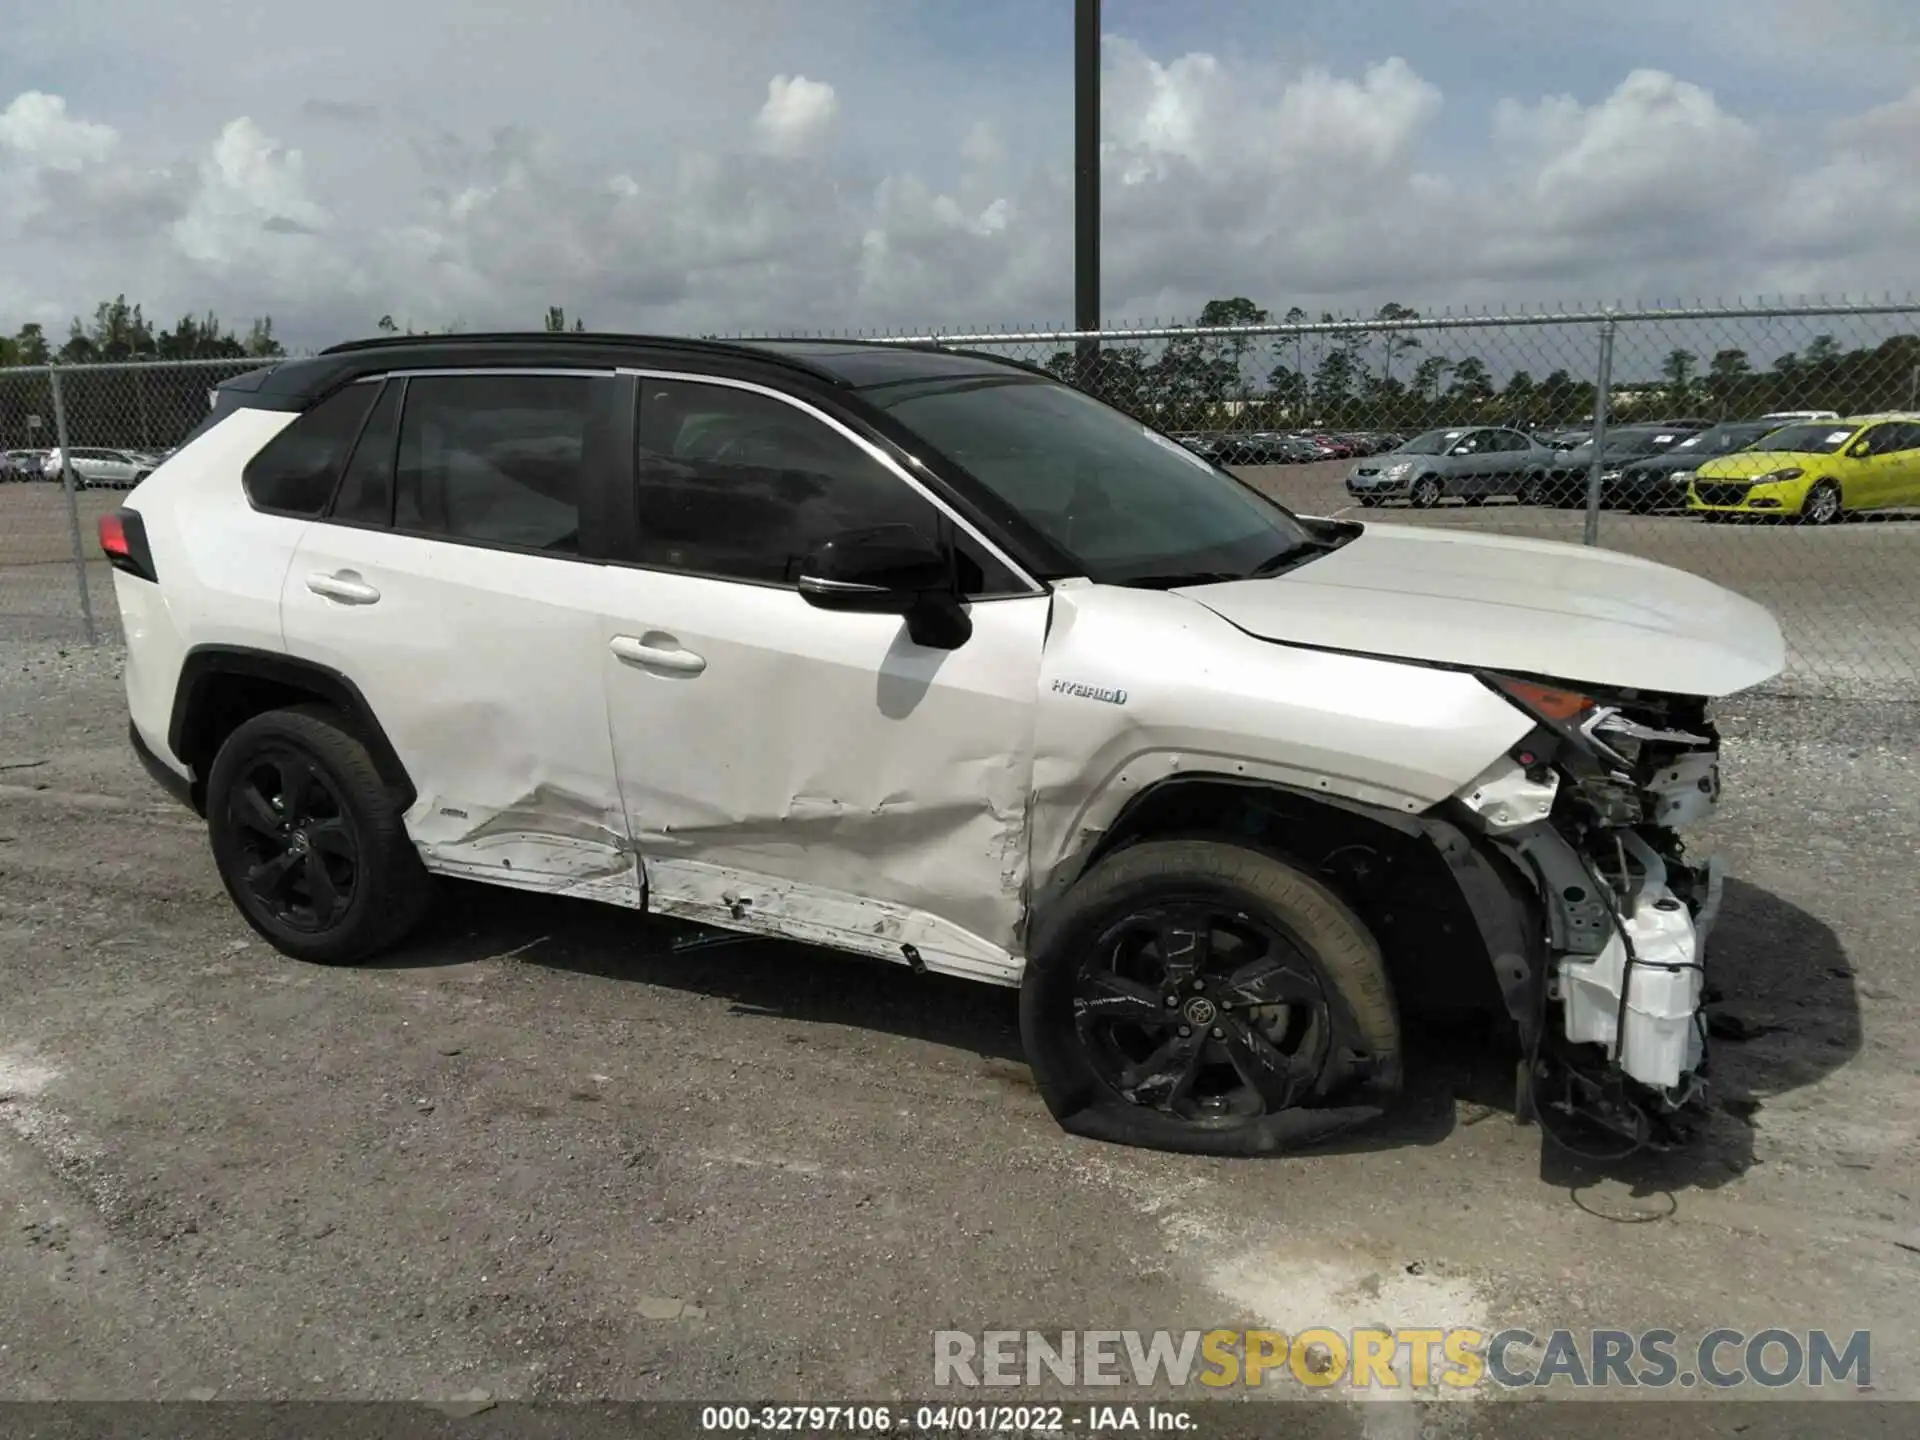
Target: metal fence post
(65, 443)
(1602, 403)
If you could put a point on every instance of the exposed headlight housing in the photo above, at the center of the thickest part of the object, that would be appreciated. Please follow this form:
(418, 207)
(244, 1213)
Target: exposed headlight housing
(1550, 704)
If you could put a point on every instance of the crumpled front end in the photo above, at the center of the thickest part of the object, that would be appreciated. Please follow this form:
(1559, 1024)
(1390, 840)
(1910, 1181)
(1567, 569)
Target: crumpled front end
(1593, 807)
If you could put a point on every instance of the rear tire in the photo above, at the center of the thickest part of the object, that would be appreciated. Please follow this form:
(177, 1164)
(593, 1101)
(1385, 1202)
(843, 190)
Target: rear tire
(1292, 1036)
(310, 841)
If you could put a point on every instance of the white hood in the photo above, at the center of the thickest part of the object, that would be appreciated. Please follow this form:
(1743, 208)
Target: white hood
(1541, 607)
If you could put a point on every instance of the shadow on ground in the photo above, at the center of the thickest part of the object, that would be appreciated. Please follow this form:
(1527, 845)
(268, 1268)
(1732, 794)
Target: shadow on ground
(762, 977)
(1785, 1014)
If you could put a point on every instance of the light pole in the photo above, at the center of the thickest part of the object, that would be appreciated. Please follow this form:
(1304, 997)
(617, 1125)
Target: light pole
(1086, 184)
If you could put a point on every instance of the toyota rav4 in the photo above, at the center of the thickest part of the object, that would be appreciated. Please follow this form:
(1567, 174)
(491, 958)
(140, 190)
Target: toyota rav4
(923, 654)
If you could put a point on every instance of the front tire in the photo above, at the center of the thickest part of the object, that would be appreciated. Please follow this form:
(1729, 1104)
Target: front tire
(1822, 505)
(310, 841)
(1425, 493)
(1202, 997)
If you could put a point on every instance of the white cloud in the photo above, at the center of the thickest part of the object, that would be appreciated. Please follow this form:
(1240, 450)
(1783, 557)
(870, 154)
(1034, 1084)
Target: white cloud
(251, 198)
(41, 135)
(798, 115)
(1325, 188)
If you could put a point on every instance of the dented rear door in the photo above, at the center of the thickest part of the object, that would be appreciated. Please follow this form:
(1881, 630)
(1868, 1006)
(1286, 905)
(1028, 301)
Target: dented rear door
(462, 595)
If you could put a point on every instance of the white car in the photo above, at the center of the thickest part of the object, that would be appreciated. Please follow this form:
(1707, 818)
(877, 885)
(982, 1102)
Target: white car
(101, 469)
(924, 655)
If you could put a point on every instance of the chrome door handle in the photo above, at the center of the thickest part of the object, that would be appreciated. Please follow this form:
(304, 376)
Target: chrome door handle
(657, 657)
(344, 586)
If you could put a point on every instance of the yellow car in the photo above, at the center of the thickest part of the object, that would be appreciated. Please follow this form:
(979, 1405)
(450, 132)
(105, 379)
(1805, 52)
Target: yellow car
(1816, 471)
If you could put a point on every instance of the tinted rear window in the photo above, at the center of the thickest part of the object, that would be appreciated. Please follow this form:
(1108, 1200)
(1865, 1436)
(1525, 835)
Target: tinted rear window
(296, 471)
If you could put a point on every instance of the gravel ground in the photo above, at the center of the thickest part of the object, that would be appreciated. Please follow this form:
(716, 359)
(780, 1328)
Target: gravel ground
(545, 1155)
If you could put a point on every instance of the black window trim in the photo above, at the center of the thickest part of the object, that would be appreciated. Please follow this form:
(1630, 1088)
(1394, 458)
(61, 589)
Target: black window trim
(297, 416)
(636, 373)
(596, 530)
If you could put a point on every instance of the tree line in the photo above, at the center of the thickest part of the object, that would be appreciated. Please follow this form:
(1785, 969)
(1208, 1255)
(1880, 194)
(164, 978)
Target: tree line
(1387, 379)
(1354, 378)
(119, 331)
(143, 408)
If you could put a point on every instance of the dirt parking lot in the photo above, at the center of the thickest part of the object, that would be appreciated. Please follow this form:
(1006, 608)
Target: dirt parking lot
(545, 1154)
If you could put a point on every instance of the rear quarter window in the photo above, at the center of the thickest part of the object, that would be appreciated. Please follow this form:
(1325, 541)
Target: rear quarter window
(296, 471)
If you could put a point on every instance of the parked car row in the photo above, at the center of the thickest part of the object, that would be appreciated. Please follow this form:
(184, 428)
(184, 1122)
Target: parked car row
(1815, 469)
(94, 467)
(1286, 447)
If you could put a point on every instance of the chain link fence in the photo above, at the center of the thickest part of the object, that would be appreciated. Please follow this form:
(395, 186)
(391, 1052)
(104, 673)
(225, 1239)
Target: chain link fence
(1775, 450)
(73, 440)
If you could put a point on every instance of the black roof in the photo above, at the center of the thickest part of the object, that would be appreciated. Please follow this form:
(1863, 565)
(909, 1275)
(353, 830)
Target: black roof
(847, 364)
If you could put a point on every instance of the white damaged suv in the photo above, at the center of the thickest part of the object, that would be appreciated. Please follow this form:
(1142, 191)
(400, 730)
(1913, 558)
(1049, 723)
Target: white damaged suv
(921, 654)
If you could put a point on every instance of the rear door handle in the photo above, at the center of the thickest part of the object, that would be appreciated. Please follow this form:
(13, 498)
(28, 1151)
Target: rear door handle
(657, 657)
(344, 586)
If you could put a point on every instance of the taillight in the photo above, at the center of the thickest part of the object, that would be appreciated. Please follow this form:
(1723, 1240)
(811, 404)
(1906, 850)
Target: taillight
(123, 538)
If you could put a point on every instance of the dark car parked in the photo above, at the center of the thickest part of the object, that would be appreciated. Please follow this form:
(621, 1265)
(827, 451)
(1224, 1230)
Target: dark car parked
(1569, 471)
(1659, 482)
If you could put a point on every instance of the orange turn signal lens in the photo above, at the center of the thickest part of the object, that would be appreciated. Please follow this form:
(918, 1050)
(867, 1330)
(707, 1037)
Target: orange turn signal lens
(1545, 701)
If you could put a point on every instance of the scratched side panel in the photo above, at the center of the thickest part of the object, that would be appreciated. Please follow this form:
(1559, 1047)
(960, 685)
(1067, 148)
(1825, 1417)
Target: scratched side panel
(1139, 686)
(822, 765)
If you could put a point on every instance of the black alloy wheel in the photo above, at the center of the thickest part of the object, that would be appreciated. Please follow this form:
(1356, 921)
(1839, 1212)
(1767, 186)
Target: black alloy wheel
(302, 858)
(1201, 1013)
(1202, 996)
(311, 839)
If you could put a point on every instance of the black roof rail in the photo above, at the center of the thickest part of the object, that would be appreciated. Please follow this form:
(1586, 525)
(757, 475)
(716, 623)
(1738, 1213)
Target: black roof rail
(590, 339)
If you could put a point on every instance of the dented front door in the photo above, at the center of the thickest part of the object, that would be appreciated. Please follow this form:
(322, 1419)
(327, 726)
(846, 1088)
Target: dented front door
(818, 775)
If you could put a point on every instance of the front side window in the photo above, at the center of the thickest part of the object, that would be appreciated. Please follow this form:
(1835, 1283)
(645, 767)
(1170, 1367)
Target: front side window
(1431, 442)
(1824, 438)
(1881, 440)
(738, 485)
(1127, 505)
(295, 472)
(497, 459)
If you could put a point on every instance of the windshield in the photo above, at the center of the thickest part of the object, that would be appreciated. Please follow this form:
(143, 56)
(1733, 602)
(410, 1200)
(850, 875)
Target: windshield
(1433, 442)
(1129, 506)
(1823, 438)
(1722, 439)
(1625, 444)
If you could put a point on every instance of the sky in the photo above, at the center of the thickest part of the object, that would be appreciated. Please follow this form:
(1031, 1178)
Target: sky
(906, 165)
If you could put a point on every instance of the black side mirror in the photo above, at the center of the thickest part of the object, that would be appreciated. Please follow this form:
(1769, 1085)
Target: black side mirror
(890, 570)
